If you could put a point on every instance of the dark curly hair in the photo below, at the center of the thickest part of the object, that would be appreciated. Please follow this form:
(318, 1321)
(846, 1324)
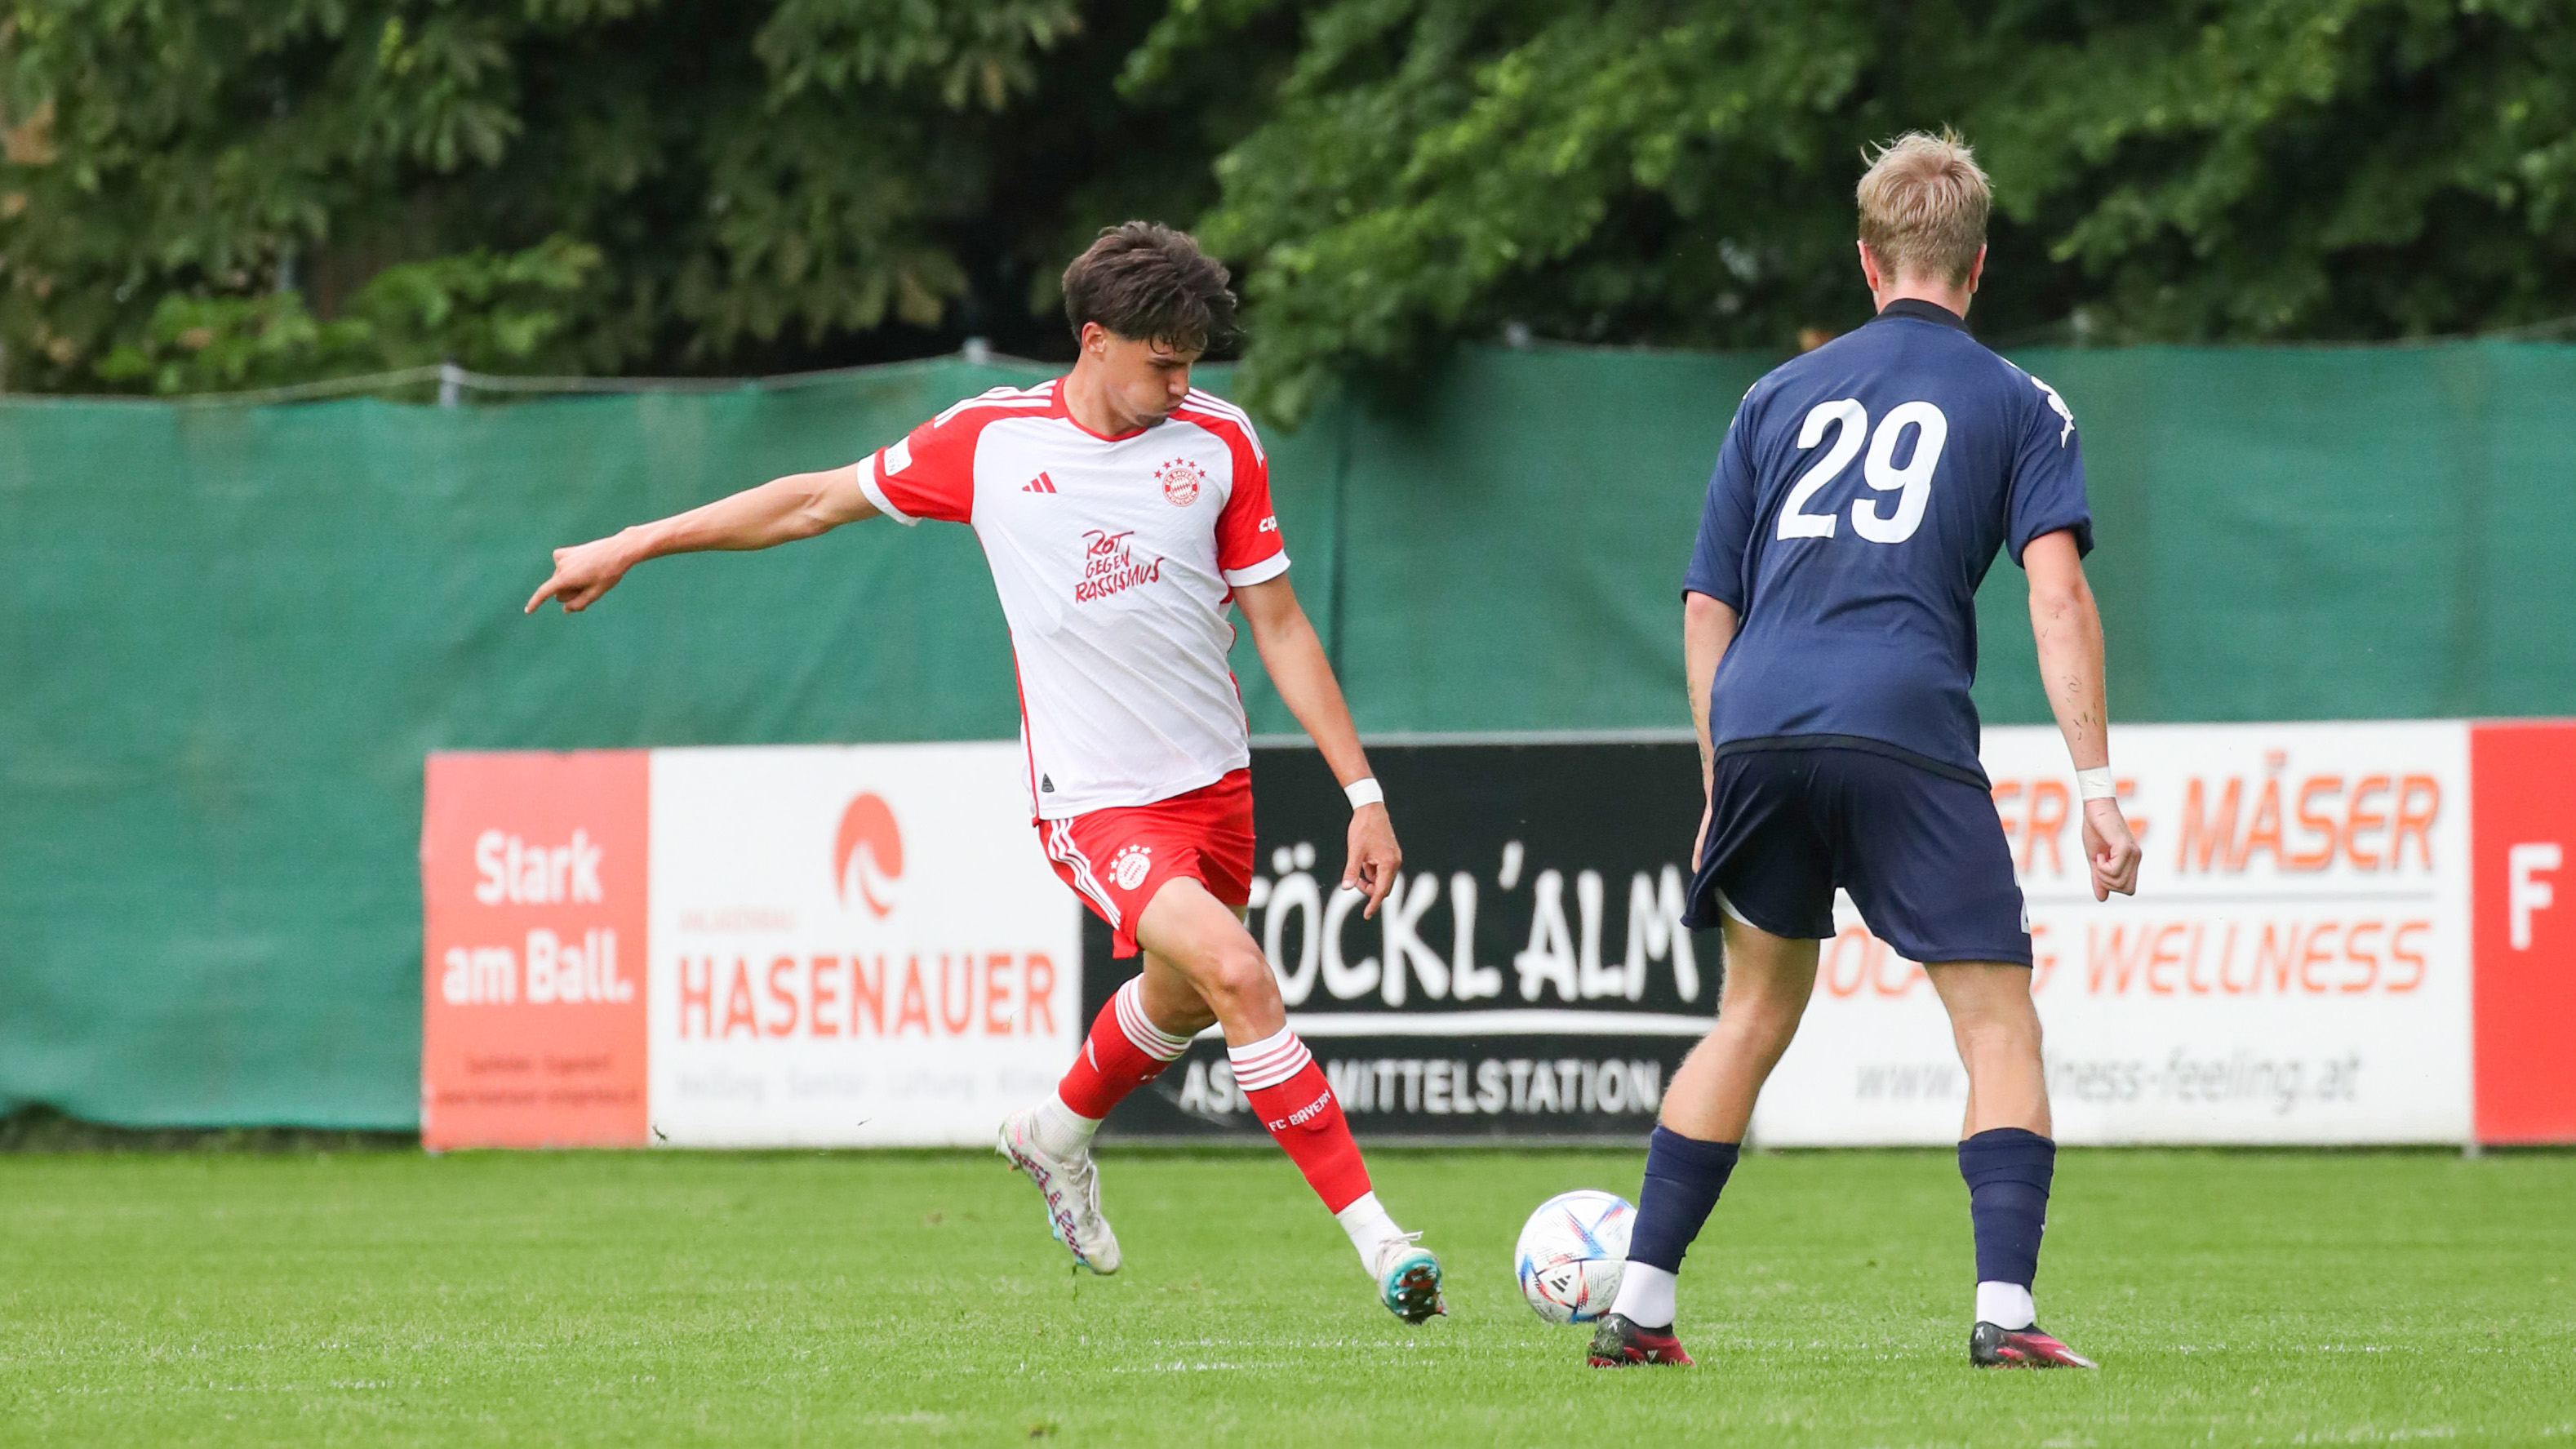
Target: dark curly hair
(1146, 281)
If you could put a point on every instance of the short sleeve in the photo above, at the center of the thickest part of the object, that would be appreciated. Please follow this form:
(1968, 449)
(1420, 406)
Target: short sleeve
(929, 474)
(1249, 549)
(2048, 478)
(1726, 520)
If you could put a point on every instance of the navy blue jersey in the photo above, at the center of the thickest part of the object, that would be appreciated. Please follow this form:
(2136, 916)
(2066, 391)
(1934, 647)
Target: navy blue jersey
(1859, 499)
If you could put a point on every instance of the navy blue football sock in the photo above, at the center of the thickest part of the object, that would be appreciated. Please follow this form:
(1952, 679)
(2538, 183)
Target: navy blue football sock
(2008, 1171)
(1683, 1178)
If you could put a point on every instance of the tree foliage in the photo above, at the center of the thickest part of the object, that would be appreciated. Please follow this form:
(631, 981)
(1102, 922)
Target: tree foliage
(1663, 171)
(214, 193)
(488, 313)
(693, 184)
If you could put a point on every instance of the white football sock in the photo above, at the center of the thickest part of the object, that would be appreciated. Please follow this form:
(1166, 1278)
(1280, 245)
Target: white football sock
(1645, 1295)
(2005, 1305)
(1063, 1132)
(1369, 1225)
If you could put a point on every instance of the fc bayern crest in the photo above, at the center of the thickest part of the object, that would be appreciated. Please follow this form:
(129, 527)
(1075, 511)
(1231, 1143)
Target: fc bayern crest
(1181, 479)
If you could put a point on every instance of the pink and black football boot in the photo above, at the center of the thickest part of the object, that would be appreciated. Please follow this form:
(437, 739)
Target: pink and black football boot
(1619, 1343)
(2032, 1347)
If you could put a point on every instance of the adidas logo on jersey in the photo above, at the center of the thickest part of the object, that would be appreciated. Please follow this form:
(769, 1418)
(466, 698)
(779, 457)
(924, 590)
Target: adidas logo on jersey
(1040, 484)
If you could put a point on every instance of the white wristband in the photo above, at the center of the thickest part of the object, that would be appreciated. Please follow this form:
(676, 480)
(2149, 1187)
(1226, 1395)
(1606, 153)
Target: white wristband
(2095, 784)
(1365, 792)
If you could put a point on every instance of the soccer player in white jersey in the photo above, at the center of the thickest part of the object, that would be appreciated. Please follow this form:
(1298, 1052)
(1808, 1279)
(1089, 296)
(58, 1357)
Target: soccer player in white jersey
(1122, 511)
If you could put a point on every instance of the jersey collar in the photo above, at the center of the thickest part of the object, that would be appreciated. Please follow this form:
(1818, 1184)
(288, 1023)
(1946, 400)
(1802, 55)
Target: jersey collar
(1923, 311)
(1058, 408)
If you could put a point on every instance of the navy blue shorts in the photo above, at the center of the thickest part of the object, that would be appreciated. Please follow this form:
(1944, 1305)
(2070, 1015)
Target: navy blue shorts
(1922, 852)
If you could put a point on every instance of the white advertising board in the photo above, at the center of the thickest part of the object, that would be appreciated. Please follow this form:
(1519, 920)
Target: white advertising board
(2294, 967)
(852, 946)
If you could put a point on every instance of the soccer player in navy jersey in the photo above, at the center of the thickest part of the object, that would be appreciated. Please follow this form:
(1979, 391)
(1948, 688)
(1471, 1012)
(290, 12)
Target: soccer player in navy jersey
(1829, 630)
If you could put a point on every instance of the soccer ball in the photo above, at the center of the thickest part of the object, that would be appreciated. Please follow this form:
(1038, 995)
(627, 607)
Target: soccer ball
(1571, 1254)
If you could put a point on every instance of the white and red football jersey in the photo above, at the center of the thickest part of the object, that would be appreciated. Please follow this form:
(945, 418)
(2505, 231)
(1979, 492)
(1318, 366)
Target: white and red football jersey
(1115, 559)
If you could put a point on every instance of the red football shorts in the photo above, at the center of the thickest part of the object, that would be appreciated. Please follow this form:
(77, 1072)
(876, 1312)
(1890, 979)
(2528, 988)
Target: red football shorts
(1116, 859)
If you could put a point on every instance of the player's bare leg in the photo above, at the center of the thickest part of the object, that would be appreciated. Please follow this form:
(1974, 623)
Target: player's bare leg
(1203, 966)
(1768, 982)
(1996, 1027)
(2006, 1155)
(1706, 1109)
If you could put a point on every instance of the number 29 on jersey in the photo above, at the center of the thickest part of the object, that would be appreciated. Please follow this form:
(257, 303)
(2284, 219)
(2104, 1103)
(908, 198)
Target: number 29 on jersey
(1912, 483)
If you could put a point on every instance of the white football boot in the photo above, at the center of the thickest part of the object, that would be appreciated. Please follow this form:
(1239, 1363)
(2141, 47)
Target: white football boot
(1408, 1279)
(1071, 1187)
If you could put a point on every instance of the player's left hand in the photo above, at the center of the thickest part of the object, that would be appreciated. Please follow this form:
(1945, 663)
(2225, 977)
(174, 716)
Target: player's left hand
(1373, 857)
(2110, 849)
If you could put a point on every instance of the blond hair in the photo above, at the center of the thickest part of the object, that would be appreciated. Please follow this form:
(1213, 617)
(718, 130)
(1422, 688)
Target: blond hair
(1923, 206)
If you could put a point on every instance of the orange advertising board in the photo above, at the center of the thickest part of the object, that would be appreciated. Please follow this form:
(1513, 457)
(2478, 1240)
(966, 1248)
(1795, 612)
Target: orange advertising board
(749, 946)
(533, 871)
(2523, 856)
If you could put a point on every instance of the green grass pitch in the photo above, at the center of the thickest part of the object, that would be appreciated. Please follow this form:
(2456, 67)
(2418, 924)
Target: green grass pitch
(683, 1298)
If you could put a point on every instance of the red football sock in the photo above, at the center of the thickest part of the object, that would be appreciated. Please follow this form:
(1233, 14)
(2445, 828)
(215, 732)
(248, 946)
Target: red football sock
(1279, 1077)
(1124, 1051)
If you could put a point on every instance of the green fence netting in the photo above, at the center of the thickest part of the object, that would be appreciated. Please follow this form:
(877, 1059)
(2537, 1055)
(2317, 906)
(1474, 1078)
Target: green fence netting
(229, 634)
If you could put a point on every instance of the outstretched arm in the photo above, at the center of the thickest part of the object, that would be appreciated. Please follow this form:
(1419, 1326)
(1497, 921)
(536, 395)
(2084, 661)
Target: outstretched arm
(781, 510)
(1295, 659)
(2069, 630)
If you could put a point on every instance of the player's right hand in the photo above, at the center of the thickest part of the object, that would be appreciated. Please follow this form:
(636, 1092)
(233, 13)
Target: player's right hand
(1374, 856)
(2110, 849)
(582, 573)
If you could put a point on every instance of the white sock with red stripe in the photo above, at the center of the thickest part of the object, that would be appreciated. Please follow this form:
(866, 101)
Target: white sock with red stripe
(1129, 1002)
(1261, 1065)
(1278, 1076)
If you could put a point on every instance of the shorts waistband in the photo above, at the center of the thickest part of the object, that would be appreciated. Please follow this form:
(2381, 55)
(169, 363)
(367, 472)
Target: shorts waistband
(1862, 743)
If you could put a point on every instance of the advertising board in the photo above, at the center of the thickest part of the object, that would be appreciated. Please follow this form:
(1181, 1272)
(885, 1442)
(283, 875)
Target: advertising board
(2524, 862)
(2293, 968)
(1527, 977)
(2344, 933)
(533, 921)
(763, 946)
(853, 946)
